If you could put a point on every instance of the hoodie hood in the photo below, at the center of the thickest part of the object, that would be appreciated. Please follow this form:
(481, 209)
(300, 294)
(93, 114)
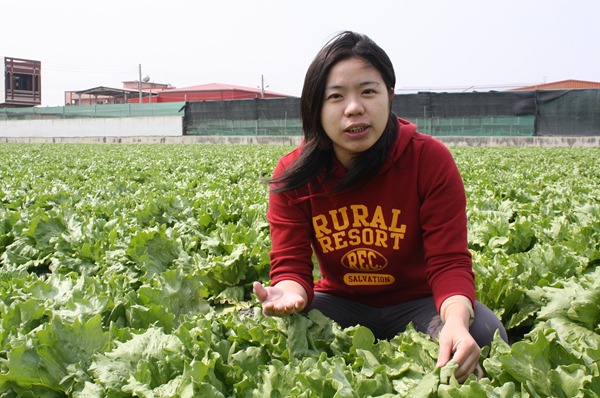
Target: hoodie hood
(406, 131)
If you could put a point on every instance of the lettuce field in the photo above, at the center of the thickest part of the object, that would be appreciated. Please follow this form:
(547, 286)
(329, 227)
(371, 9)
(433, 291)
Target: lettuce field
(126, 271)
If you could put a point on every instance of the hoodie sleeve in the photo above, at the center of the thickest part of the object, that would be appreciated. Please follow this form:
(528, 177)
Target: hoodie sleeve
(444, 225)
(291, 236)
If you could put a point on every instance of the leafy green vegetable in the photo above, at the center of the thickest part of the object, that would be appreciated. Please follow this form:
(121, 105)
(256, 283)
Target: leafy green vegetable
(126, 271)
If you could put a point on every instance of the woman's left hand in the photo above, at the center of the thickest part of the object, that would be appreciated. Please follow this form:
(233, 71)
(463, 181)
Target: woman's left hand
(457, 344)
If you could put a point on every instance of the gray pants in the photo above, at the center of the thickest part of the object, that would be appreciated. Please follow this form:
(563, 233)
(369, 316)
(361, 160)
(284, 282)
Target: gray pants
(386, 322)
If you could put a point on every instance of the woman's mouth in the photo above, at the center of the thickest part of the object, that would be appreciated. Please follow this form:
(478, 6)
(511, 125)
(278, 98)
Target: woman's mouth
(356, 130)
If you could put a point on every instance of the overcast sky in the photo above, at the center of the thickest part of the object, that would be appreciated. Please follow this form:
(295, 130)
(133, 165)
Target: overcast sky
(451, 45)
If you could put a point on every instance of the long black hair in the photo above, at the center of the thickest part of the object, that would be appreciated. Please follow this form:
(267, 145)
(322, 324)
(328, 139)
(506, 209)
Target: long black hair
(317, 149)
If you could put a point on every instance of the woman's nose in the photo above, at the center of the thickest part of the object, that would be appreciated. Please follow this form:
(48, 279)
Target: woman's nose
(354, 107)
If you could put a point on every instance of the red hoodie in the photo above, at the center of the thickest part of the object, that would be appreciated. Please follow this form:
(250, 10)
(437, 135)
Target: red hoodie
(400, 237)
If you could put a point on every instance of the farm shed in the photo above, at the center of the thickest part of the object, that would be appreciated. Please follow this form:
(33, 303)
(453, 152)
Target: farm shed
(100, 95)
(130, 93)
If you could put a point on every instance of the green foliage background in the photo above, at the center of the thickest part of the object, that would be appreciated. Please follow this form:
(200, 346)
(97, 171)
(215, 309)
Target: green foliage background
(126, 271)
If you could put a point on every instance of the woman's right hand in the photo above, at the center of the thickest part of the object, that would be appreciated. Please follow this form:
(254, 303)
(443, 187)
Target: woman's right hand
(286, 298)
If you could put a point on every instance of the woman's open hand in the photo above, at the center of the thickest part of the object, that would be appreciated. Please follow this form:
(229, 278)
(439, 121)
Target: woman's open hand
(286, 298)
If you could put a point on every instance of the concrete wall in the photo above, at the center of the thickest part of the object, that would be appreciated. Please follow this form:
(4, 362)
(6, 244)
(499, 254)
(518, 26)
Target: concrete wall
(295, 140)
(94, 127)
(207, 140)
(541, 141)
(169, 130)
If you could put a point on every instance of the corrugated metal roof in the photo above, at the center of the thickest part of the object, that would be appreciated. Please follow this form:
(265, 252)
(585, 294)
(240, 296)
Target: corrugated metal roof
(219, 87)
(570, 84)
(103, 90)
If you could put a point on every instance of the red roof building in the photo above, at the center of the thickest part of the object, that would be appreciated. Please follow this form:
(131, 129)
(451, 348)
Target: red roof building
(214, 92)
(562, 85)
(155, 92)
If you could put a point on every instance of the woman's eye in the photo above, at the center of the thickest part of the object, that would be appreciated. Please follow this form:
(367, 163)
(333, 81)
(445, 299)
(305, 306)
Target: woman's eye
(334, 96)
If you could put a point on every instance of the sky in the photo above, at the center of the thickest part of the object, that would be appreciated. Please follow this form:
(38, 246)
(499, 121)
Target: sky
(435, 45)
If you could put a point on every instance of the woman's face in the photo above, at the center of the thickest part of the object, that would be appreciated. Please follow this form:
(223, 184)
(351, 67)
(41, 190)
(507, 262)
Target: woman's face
(356, 107)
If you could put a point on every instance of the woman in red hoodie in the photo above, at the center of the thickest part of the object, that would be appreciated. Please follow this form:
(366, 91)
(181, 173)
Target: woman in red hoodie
(381, 206)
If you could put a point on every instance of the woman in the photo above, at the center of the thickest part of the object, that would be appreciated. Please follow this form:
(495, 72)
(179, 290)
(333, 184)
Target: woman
(381, 206)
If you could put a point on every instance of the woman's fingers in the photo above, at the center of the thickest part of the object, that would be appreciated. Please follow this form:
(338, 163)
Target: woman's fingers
(468, 366)
(277, 302)
(259, 291)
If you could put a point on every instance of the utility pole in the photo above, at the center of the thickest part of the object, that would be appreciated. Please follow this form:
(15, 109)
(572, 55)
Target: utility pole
(262, 86)
(140, 82)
